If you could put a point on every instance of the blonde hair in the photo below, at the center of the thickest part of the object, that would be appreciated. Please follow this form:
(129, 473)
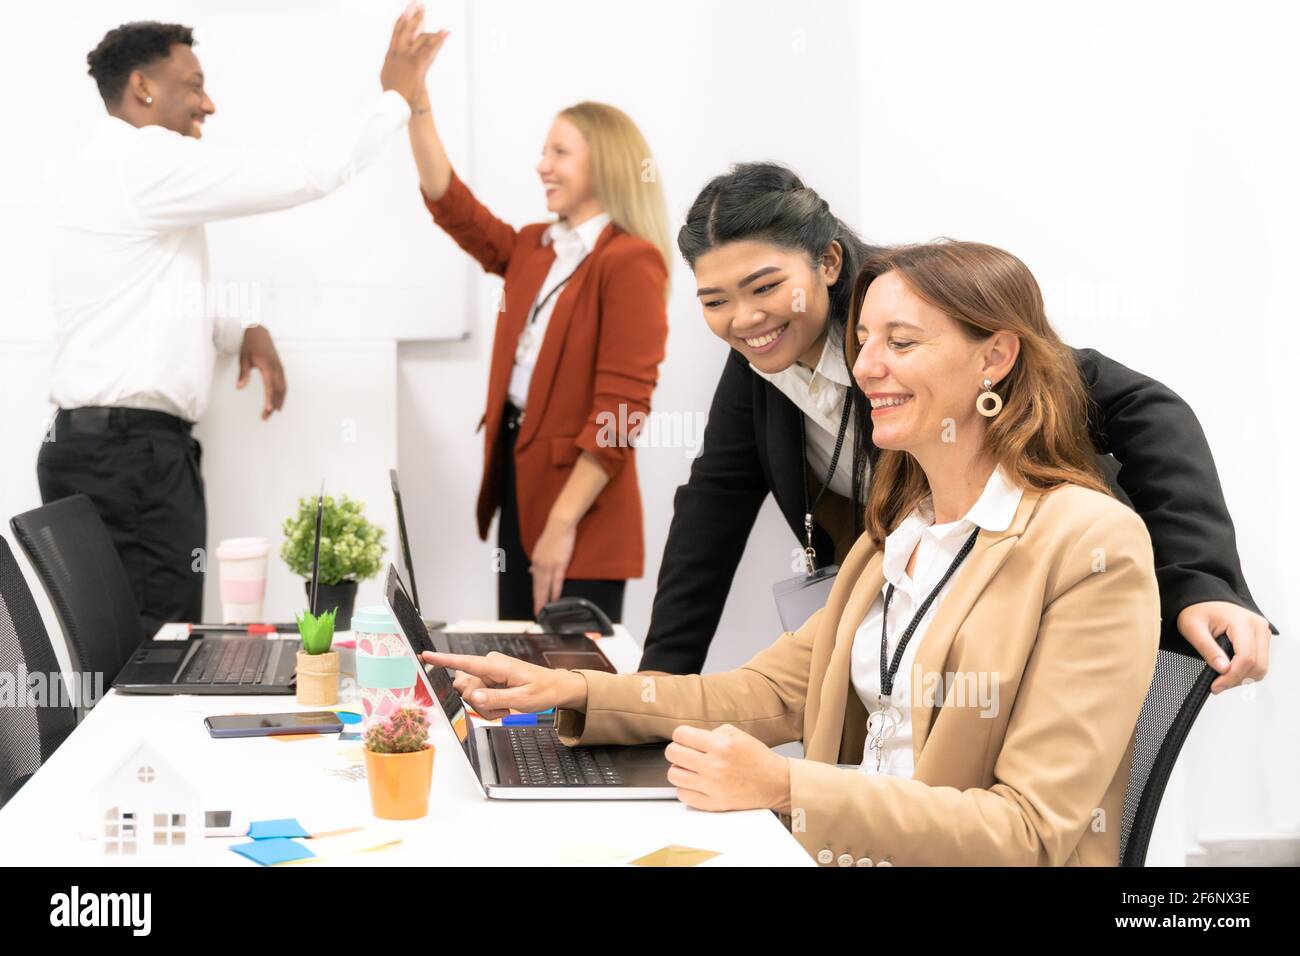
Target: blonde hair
(624, 174)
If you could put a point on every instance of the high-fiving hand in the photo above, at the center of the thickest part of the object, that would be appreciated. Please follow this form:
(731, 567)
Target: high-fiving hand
(410, 54)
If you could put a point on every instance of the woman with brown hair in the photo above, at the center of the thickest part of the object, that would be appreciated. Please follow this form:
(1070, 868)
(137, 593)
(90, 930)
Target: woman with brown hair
(580, 334)
(987, 645)
(774, 268)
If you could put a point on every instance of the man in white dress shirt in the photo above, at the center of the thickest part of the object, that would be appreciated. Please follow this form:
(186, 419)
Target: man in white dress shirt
(138, 326)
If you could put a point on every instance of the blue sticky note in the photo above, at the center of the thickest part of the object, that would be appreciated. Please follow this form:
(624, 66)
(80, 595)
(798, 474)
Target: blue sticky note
(274, 829)
(519, 720)
(268, 852)
(347, 717)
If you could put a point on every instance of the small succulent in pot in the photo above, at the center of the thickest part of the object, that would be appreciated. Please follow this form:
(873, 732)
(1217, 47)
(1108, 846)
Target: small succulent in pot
(405, 731)
(399, 764)
(316, 631)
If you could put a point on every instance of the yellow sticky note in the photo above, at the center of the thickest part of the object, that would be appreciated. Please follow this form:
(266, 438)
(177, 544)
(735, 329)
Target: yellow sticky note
(588, 853)
(294, 738)
(346, 842)
(675, 856)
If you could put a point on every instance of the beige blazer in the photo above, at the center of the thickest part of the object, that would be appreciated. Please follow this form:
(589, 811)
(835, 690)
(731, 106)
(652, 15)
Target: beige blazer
(1055, 622)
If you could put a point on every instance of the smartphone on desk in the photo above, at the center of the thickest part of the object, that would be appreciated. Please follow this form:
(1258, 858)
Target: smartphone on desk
(270, 725)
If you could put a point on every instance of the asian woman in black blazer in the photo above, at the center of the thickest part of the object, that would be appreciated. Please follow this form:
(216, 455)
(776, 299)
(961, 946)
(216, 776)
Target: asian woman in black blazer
(775, 268)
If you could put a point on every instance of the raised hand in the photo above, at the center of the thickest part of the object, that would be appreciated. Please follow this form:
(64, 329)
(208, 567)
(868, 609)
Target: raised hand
(410, 54)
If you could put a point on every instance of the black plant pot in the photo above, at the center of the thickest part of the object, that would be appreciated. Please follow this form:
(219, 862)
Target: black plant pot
(342, 596)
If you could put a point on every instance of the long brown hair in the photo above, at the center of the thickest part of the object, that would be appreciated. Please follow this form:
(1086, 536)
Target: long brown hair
(1040, 437)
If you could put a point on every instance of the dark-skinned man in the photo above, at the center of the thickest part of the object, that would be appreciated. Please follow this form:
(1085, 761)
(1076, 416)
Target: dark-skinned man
(139, 322)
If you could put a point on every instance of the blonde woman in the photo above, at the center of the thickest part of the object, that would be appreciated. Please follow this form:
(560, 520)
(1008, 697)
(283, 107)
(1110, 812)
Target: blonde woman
(983, 656)
(579, 338)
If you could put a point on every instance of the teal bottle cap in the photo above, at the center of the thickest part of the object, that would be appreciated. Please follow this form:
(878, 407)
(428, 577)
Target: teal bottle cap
(375, 619)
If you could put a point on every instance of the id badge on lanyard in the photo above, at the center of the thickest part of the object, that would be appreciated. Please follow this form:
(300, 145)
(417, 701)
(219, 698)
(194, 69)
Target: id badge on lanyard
(802, 596)
(798, 598)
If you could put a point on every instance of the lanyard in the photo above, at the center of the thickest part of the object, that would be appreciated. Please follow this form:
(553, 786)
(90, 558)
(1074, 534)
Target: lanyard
(887, 673)
(554, 289)
(810, 553)
(525, 343)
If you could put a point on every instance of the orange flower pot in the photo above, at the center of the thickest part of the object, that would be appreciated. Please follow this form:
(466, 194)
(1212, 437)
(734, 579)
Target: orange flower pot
(399, 783)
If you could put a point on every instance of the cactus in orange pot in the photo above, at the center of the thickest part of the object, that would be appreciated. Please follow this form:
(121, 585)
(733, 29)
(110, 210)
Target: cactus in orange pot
(406, 731)
(399, 764)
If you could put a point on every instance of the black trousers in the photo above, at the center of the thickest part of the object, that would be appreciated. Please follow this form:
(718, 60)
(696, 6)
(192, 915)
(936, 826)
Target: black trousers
(514, 580)
(141, 470)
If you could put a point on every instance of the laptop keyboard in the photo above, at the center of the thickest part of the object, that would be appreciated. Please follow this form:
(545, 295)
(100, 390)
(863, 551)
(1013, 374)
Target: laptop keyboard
(230, 661)
(543, 761)
(523, 647)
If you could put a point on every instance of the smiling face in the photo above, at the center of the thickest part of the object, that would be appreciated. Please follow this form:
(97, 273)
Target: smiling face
(565, 171)
(921, 370)
(179, 102)
(767, 301)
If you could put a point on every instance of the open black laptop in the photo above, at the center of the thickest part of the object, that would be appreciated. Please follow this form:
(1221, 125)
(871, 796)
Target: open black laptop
(230, 665)
(573, 651)
(530, 762)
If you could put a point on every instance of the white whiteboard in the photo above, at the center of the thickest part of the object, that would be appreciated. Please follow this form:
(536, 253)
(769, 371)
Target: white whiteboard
(366, 260)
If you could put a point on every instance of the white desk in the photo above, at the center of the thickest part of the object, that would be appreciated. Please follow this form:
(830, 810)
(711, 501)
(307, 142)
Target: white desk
(51, 819)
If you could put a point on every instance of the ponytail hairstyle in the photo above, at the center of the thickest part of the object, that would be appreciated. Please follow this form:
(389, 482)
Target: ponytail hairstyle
(767, 202)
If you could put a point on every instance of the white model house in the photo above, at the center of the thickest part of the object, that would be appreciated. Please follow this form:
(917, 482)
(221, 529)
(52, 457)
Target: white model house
(145, 806)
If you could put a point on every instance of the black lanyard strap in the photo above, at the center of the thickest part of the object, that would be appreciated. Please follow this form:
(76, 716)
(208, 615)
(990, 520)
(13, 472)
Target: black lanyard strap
(554, 289)
(887, 673)
(809, 550)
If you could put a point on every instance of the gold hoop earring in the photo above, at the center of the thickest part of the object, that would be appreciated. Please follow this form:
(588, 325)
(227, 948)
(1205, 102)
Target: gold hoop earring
(989, 402)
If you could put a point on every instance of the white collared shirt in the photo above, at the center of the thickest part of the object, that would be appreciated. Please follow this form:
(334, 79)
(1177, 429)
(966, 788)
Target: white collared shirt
(572, 245)
(820, 394)
(137, 323)
(936, 547)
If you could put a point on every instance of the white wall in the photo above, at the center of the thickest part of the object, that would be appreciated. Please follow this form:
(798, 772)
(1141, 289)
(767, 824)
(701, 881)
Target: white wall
(1140, 157)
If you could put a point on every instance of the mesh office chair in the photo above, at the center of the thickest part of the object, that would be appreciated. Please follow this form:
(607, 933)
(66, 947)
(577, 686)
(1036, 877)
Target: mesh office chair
(79, 567)
(1178, 691)
(28, 734)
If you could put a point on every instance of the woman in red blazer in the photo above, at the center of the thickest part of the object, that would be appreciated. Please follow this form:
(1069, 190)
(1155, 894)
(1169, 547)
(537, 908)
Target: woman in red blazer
(579, 337)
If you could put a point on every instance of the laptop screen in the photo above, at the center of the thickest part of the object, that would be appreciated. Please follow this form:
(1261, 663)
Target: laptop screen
(437, 678)
(405, 541)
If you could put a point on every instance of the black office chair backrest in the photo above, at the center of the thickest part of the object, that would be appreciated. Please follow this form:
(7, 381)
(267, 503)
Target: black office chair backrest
(1178, 692)
(41, 715)
(80, 569)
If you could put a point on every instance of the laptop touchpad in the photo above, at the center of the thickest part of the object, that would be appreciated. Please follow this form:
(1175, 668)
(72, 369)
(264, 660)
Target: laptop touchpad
(574, 660)
(161, 655)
